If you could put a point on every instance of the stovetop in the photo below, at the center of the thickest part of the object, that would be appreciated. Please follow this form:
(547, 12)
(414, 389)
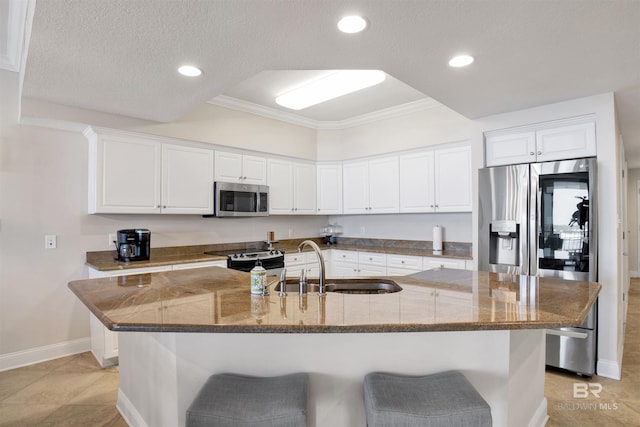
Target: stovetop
(239, 255)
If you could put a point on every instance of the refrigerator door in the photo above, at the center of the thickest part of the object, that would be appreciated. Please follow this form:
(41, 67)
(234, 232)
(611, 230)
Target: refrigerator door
(563, 243)
(503, 219)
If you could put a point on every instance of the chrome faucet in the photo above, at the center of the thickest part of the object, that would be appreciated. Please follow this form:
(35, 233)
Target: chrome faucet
(316, 249)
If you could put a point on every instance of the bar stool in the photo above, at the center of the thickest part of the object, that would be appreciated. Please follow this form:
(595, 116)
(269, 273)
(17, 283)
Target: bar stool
(438, 400)
(230, 400)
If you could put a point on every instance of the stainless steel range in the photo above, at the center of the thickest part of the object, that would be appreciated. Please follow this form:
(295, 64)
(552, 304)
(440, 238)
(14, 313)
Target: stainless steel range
(271, 260)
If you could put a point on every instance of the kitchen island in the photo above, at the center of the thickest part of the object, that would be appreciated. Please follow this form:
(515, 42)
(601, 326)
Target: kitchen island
(179, 327)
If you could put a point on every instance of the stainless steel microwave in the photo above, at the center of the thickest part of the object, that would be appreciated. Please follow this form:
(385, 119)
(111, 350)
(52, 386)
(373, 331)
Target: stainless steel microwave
(236, 200)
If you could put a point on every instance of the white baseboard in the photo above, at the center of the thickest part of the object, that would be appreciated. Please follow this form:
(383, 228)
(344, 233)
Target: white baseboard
(129, 412)
(44, 353)
(634, 274)
(540, 417)
(609, 369)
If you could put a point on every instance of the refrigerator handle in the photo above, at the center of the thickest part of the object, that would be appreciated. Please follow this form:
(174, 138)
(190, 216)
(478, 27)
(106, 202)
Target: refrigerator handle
(535, 222)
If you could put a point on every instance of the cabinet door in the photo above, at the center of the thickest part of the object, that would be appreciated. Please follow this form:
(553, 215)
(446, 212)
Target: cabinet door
(254, 170)
(329, 189)
(124, 175)
(371, 270)
(355, 187)
(279, 176)
(228, 167)
(453, 179)
(187, 180)
(384, 185)
(416, 182)
(434, 262)
(566, 142)
(304, 189)
(510, 148)
(344, 269)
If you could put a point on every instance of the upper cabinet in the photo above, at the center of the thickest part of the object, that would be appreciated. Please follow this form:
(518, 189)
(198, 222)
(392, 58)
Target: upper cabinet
(329, 189)
(371, 186)
(452, 179)
(436, 180)
(564, 139)
(292, 187)
(236, 167)
(133, 174)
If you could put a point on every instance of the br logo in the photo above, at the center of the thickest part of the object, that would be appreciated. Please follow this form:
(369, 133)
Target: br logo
(582, 390)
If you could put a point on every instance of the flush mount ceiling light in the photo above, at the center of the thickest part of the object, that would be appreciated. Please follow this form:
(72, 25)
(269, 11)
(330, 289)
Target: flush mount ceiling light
(461, 61)
(189, 71)
(352, 24)
(330, 86)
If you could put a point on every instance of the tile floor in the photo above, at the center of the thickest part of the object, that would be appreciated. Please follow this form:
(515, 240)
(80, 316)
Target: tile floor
(75, 391)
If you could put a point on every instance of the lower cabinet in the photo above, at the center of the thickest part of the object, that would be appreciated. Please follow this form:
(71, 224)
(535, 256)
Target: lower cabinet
(104, 342)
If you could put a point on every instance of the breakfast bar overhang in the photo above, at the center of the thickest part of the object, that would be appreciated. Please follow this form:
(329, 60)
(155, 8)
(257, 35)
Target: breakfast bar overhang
(179, 327)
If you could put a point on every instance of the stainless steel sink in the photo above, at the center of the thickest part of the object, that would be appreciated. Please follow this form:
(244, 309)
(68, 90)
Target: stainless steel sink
(345, 286)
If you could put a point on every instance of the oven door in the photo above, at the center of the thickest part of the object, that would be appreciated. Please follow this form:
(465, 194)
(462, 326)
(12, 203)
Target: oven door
(238, 200)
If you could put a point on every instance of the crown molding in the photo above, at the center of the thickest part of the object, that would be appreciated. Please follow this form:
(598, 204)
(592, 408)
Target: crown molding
(272, 113)
(12, 35)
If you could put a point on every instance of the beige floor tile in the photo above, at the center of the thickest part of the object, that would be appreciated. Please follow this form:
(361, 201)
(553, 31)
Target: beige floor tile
(104, 391)
(24, 415)
(81, 416)
(55, 388)
(15, 380)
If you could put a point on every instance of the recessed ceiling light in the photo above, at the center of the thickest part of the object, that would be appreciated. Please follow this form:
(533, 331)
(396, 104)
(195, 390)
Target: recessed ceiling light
(461, 61)
(352, 24)
(330, 86)
(189, 71)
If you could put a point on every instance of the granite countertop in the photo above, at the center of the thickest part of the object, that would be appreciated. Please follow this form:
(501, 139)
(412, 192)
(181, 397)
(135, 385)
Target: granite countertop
(215, 299)
(104, 260)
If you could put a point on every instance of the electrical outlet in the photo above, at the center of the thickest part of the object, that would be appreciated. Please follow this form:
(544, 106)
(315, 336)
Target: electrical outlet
(50, 241)
(112, 239)
(362, 230)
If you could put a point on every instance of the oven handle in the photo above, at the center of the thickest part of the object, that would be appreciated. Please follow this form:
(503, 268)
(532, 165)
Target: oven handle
(570, 334)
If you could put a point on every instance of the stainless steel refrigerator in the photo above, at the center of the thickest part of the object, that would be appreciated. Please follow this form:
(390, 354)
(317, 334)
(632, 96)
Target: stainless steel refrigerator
(539, 219)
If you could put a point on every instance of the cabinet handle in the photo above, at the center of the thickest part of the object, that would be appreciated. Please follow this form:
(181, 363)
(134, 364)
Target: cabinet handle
(158, 206)
(539, 153)
(430, 206)
(531, 153)
(164, 207)
(402, 262)
(370, 259)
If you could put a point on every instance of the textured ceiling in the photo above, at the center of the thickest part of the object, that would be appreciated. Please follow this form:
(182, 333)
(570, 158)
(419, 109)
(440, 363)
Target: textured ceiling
(120, 56)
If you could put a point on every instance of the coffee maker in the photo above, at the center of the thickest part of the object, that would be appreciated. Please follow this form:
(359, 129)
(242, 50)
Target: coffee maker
(133, 245)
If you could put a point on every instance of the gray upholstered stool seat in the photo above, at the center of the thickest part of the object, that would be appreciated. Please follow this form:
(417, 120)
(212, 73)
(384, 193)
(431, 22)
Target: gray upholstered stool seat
(230, 400)
(443, 399)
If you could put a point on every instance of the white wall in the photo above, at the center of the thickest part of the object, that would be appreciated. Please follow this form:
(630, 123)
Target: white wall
(610, 336)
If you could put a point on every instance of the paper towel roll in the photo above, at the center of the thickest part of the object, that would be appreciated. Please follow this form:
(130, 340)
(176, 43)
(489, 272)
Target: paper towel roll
(437, 239)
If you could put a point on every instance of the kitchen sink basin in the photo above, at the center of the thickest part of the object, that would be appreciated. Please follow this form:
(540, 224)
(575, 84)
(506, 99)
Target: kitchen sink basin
(345, 286)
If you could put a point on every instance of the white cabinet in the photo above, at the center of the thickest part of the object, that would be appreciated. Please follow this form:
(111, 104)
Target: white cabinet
(417, 182)
(329, 189)
(358, 264)
(371, 186)
(292, 187)
(134, 174)
(124, 174)
(237, 167)
(566, 139)
(453, 179)
(308, 261)
(187, 180)
(437, 262)
(190, 265)
(436, 180)
(401, 265)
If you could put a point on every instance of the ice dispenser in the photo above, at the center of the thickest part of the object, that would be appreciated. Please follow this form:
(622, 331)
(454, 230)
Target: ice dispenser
(504, 243)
